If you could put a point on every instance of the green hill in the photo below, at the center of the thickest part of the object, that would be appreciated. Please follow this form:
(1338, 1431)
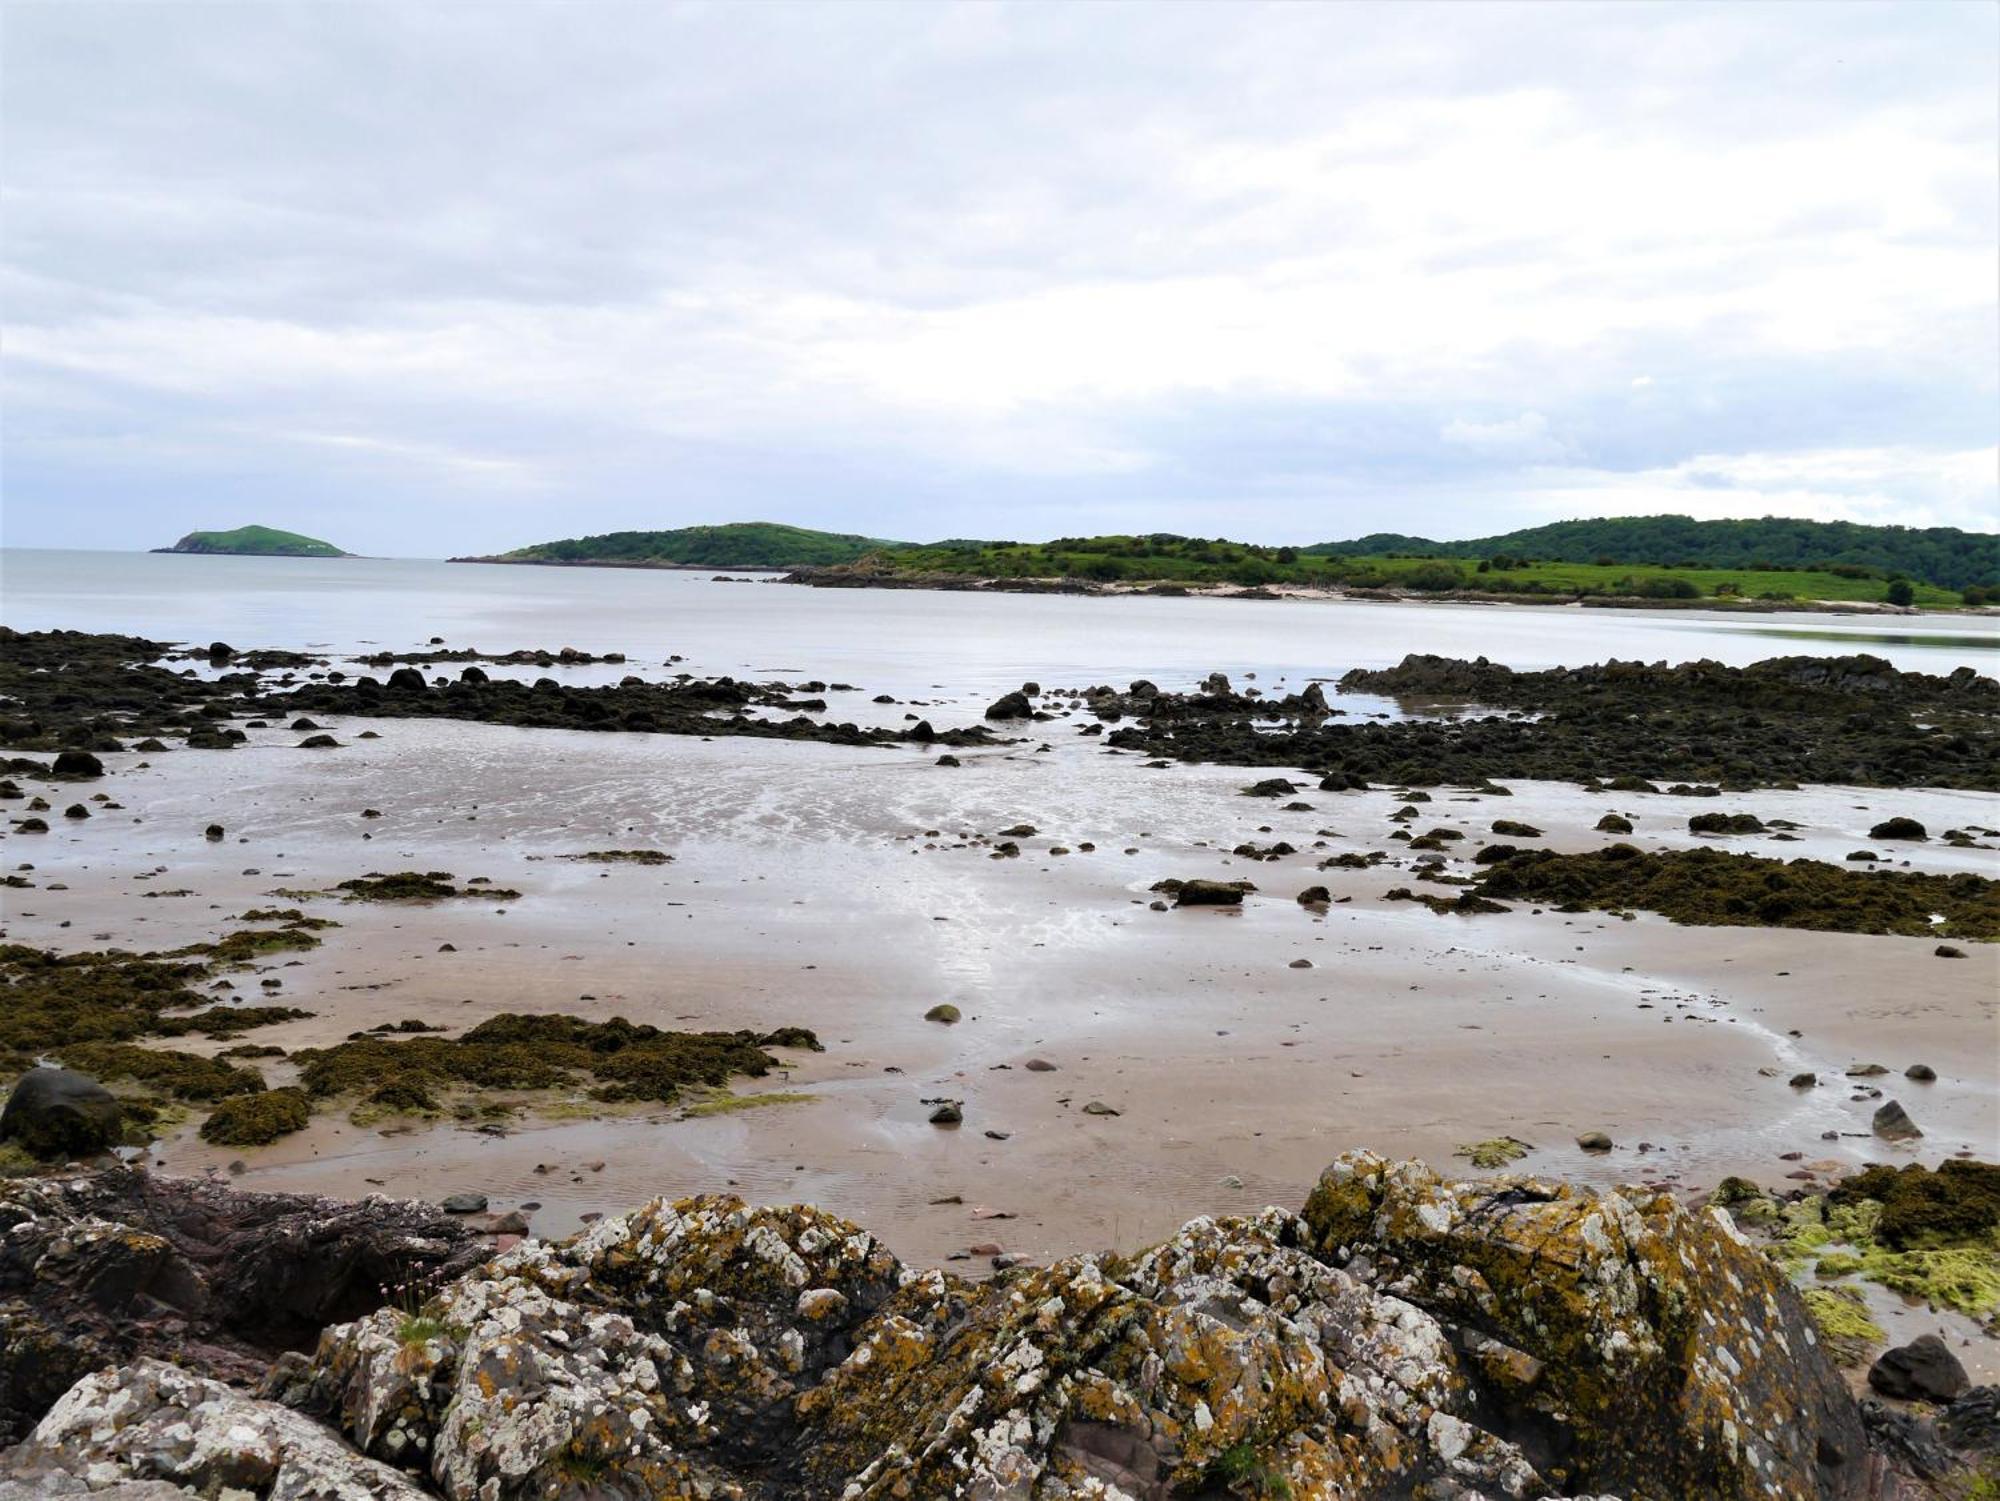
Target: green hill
(256, 542)
(736, 544)
(1941, 555)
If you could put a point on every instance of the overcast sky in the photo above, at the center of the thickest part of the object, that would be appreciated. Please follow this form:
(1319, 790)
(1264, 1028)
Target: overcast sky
(430, 278)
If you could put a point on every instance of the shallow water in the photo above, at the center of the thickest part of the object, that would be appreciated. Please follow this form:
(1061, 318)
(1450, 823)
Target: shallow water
(901, 641)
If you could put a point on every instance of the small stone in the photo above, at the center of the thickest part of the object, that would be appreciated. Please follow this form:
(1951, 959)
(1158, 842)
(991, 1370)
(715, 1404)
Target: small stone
(1594, 1141)
(1098, 1107)
(1923, 1073)
(1893, 1123)
(463, 1203)
(947, 1113)
(1804, 1081)
(1300, 964)
(943, 1012)
(1039, 1066)
(1924, 1368)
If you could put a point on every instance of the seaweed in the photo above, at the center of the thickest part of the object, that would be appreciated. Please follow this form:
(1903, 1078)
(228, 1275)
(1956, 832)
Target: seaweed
(254, 1120)
(1709, 888)
(418, 886)
(616, 1060)
(1921, 1207)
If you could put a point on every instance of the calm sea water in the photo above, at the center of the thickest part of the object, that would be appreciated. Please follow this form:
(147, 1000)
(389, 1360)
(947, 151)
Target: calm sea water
(883, 639)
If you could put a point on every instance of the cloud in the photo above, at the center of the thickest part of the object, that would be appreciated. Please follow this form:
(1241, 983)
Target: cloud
(1280, 271)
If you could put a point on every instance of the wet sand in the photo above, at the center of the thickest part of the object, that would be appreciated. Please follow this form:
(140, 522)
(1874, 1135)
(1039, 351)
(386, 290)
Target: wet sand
(803, 892)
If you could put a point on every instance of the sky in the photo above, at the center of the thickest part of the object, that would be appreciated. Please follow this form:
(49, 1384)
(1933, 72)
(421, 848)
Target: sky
(426, 279)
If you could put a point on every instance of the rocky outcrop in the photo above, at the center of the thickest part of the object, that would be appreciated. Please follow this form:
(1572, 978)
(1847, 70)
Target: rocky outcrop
(1402, 1337)
(1655, 1351)
(108, 1267)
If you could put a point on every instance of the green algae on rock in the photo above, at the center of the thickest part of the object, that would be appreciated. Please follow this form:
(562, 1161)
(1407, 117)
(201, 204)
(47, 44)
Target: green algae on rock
(614, 1060)
(255, 1120)
(418, 886)
(1844, 720)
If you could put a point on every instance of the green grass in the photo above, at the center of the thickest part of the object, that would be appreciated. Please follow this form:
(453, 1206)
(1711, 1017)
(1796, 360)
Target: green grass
(257, 541)
(1196, 561)
(729, 1104)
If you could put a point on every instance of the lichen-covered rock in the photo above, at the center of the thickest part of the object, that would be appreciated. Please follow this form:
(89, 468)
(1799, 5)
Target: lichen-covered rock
(1227, 1355)
(1403, 1337)
(154, 1430)
(1657, 1351)
(653, 1355)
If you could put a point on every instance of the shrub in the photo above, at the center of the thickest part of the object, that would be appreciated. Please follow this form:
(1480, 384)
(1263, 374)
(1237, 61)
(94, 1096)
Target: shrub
(1434, 578)
(1900, 592)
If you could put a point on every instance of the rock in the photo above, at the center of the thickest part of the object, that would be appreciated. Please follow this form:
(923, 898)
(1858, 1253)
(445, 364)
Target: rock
(1725, 823)
(1201, 893)
(1010, 706)
(1866, 1071)
(152, 1430)
(1972, 1423)
(1300, 964)
(944, 1012)
(473, 675)
(1594, 1141)
(1923, 1073)
(1612, 823)
(76, 766)
(408, 680)
(1315, 896)
(1893, 1123)
(1923, 1369)
(319, 742)
(1403, 1337)
(213, 832)
(947, 1113)
(1804, 1081)
(113, 1266)
(1670, 1357)
(513, 1222)
(1898, 828)
(1271, 787)
(1098, 1107)
(463, 1203)
(54, 1112)
(1039, 1066)
(948, 760)
(1948, 951)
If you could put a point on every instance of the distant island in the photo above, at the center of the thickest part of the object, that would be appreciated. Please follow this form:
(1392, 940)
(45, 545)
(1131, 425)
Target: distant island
(736, 544)
(256, 542)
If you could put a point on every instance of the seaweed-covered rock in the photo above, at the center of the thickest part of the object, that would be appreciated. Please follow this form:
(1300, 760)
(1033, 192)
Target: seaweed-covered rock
(117, 1430)
(1898, 828)
(1010, 706)
(1669, 1358)
(55, 1112)
(1725, 823)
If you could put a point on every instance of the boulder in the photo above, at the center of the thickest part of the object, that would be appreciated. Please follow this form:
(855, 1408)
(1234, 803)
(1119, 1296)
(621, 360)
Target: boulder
(76, 766)
(163, 1431)
(54, 1112)
(1898, 828)
(408, 680)
(1661, 1354)
(1010, 706)
(1924, 1368)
